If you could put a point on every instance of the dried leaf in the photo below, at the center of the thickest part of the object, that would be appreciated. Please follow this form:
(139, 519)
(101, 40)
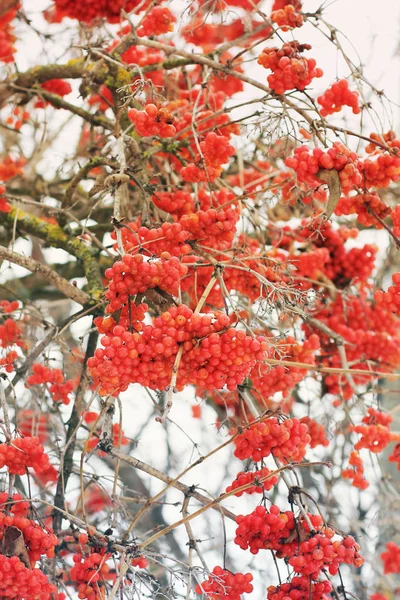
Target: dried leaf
(332, 180)
(13, 545)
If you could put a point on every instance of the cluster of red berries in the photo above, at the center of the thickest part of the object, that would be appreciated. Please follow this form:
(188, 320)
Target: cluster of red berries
(391, 558)
(7, 38)
(390, 299)
(287, 17)
(290, 70)
(395, 456)
(31, 423)
(396, 220)
(153, 121)
(38, 541)
(214, 354)
(59, 388)
(337, 96)
(362, 205)
(254, 477)
(4, 205)
(381, 170)
(7, 361)
(306, 164)
(300, 588)
(9, 307)
(170, 237)
(96, 9)
(356, 475)
(14, 504)
(320, 552)
(286, 439)
(88, 573)
(267, 380)
(224, 585)
(212, 227)
(375, 431)
(158, 21)
(96, 499)
(17, 118)
(11, 167)
(18, 581)
(208, 35)
(264, 530)
(134, 275)
(316, 431)
(59, 87)
(215, 152)
(279, 4)
(181, 202)
(311, 264)
(21, 453)
(140, 562)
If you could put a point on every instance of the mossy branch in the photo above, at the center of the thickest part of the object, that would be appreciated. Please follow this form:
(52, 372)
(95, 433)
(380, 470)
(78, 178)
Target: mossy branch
(55, 236)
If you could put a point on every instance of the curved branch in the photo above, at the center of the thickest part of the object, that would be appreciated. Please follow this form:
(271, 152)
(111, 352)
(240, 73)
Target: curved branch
(59, 282)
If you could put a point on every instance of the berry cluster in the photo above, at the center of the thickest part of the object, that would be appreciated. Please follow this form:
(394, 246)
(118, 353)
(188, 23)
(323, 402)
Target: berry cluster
(158, 21)
(7, 361)
(320, 552)
(224, 585)
(88, 573)
(31, 423)
(268, 380)
(134, 275)
(311, 264)
(306, 164)
(290, 70)
(214, 355)
(4, 205)
(153, 121)
(14, 504)
(11, 167)
(140, 562)
(264, 530)
(362, 205)
(96, 9)
(316, 431)
(244, 478)
(375, 431)
(9, 307)
(215, 152)
(279, 4)
(96, 499)
(337, 96)
(383, 166)
(390, 299)
(17, 118)
(7, 38)
(285, 439)
(170, 237)
(10, 334)
(391, 558)
(22, 453)
(59, 87)
(59, 388)
(356, 475)
(287, 17)
(17, 581)
(300, 588)
(38, 541)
